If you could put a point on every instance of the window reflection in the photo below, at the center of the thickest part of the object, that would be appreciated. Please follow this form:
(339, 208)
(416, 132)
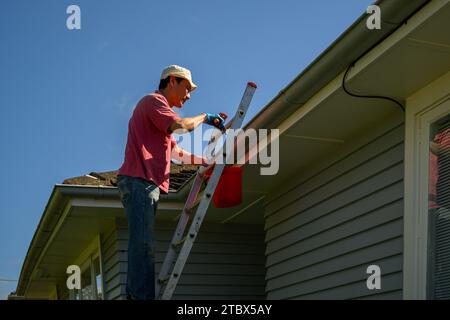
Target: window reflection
(439, 210)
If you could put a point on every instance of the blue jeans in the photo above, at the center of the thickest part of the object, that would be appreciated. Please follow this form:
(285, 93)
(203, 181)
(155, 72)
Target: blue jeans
(140, 200)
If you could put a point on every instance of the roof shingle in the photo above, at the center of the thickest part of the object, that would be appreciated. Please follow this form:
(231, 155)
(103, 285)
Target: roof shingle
(179, 175)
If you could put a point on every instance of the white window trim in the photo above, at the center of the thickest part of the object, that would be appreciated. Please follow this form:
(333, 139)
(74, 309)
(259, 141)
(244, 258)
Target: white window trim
(85, 261)
(88, 266)
(423, 108)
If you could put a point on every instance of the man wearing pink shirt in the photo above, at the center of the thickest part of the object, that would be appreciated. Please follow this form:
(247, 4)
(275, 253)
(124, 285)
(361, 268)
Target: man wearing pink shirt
(146, 167)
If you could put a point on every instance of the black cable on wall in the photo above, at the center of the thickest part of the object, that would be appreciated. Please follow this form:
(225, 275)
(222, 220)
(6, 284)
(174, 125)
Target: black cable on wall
(364, 53)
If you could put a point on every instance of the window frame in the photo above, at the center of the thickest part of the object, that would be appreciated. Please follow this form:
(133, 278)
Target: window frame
(423, 109)
(86, 261)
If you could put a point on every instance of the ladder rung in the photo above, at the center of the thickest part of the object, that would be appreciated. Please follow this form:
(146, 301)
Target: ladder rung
(165, 280)
(178, 243)
(196, 202)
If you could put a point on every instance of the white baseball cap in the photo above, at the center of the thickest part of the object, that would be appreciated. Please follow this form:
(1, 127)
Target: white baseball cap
(177, 71)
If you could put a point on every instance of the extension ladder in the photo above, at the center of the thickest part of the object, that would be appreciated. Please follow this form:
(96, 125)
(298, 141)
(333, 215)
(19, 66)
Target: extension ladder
(168, 280)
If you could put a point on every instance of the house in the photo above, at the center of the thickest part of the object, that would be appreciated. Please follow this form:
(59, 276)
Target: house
(352, 190)
(84, 225)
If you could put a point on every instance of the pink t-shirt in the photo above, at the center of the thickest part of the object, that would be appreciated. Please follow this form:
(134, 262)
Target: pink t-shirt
(150, 142)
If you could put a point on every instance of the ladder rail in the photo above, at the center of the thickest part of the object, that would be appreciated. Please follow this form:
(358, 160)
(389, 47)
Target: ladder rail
(192, 234)
(191, 202)
(179, 233)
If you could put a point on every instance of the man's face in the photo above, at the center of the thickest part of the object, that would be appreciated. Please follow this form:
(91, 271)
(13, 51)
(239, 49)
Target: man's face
(180, 92)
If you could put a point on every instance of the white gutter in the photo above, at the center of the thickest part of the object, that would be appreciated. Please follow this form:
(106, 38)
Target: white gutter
(354, 42)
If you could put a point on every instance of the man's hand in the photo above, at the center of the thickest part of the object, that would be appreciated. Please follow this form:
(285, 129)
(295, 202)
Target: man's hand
(216, 120)
(205, 162)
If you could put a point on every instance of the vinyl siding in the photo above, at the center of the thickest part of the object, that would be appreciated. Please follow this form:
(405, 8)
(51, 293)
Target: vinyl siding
(226, 262)
(114, 253)
(330, 223)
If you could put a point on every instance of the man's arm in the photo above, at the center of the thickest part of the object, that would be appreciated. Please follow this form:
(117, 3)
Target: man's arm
(187, 124)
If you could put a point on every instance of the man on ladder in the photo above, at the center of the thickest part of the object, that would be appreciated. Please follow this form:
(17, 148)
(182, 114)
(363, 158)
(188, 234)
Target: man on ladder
(146, 167)
(182, 242)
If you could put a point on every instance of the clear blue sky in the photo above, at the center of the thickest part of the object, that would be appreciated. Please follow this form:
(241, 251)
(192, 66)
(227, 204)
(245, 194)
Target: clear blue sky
(66, 96)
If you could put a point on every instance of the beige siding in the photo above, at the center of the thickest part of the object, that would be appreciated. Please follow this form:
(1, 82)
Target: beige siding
(328, 225)
(227, 262)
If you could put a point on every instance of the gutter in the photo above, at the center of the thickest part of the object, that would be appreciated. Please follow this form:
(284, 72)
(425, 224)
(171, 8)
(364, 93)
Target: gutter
(334, 60)
(52, 213)
(107, 192)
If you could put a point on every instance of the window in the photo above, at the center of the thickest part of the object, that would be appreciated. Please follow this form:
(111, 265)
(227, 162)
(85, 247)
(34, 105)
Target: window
(98, 279)
(91, 280)
(87, 286)
(426, 235)
(438, 277)
(91, 274)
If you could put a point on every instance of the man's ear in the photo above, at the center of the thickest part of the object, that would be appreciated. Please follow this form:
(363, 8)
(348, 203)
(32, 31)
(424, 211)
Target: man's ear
(172, 81)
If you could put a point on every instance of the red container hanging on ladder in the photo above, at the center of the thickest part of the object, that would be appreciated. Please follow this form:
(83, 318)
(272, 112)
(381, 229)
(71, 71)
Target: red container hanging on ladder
(228, 192)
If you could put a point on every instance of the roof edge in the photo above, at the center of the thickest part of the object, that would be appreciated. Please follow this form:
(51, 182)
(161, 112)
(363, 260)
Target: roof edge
(334, 60)
(59, 197)
(54, 205)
